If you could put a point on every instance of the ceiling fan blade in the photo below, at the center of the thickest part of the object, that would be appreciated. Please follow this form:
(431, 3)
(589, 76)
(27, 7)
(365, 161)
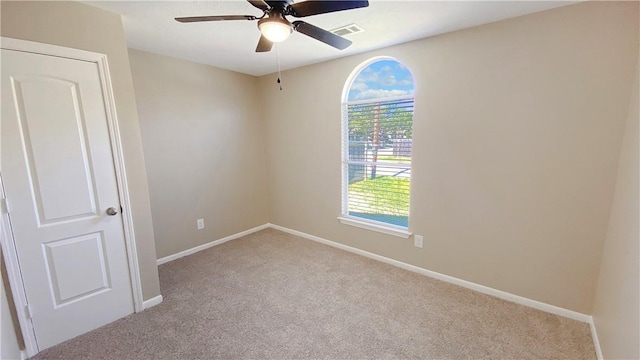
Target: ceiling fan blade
(315, 7)
(264, 45)
(259, 4)
(325, 36)
(215, 18)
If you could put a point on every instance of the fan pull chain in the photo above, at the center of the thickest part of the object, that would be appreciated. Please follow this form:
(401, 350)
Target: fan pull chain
(278, 63)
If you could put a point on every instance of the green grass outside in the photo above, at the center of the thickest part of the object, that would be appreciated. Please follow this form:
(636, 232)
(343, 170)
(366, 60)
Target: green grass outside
(383, 195)
(396, 159)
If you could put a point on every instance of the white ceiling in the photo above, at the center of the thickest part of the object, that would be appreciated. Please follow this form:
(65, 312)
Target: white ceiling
(149, 26)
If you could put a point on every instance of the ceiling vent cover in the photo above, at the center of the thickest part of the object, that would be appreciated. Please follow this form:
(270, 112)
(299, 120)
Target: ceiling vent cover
(347, 30)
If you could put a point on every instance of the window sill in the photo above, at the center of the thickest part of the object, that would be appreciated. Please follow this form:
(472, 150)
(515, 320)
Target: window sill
(382, 228)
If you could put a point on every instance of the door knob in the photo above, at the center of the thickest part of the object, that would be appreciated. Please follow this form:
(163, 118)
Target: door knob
(112, 211)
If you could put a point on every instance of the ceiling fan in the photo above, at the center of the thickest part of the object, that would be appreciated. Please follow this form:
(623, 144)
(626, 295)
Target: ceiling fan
(275, 27)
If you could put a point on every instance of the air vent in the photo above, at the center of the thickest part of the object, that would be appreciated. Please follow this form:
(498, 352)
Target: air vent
(347, 30)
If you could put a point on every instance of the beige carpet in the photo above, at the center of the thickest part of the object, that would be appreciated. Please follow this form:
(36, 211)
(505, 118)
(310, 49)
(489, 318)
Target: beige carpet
(271, 295)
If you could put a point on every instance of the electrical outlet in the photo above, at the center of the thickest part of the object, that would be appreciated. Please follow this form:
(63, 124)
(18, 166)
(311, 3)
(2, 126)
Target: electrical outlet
(200, 224)
(418, 241)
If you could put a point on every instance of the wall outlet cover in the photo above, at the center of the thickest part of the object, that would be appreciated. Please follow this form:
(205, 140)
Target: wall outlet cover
(418, 241)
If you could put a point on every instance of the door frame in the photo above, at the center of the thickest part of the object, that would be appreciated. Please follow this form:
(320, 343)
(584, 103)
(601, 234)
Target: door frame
(7, 239)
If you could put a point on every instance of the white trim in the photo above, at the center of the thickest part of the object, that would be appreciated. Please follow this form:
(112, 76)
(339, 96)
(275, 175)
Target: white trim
(23, 355)
(152, 302)
(118, 157)
(10, 255)
(196, 249)
(48, 49)
(596, 340)
(446, 278)
(123, 187)
(374, 226)
(344, 167)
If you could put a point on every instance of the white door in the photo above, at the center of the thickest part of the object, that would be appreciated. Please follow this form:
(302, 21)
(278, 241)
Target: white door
(58, 171)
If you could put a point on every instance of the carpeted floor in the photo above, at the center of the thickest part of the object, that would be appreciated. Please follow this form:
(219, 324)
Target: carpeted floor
(271, 295)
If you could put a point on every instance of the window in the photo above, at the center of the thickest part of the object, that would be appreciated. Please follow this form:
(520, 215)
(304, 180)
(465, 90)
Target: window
(377, 124)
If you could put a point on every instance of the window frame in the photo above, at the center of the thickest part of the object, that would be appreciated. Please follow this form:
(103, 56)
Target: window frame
(345, 218)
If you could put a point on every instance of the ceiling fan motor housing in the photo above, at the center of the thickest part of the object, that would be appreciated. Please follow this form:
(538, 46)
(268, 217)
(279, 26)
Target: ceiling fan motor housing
(281, 5)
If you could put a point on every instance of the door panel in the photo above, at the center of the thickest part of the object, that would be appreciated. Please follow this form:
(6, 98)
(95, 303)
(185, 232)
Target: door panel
(61, 182)
(58, 171)
(85, 276)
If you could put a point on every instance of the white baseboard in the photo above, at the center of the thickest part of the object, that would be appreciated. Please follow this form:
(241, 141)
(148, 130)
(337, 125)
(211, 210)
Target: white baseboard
(446, 278)
(596, 340)
(151, 302)
(432, 274)
(23, 355)
(194, 250)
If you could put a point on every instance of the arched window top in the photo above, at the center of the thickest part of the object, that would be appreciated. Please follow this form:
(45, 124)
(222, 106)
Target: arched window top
(379, 78)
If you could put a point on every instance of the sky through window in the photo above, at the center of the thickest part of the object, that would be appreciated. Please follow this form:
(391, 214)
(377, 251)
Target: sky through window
(381, 79)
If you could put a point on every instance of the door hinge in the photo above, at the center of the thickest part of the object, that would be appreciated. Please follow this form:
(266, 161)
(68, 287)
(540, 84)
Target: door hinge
(27, 312)
(4, 207)
(121, 209)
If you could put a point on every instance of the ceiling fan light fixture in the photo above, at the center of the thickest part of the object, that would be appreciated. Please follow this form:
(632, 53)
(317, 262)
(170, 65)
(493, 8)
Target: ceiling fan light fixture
(275, 28)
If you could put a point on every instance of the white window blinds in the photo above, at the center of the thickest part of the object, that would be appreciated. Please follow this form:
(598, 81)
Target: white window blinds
(377, 159)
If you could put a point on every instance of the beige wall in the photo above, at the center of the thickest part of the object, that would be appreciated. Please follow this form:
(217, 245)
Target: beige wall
(80, 26)
(204, 150)
(517, 133)
(617, 305)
